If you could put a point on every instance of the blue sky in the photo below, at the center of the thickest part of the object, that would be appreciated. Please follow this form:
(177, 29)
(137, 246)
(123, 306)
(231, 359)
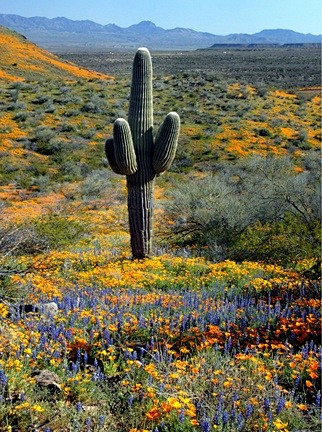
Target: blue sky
(219, 17)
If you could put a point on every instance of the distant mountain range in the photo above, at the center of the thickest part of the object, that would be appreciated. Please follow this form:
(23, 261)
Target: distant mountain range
(65, 34)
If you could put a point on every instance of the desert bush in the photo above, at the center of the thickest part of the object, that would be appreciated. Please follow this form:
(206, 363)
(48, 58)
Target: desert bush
(54, 230)
(95, 184)
(40, 99)
(285, 240)
(53, 146)
(17, 239)
(41, 183)
(70, 171)
(21, 116)
(59, 231)
(94, 105)
(41, 141)
(258, 208)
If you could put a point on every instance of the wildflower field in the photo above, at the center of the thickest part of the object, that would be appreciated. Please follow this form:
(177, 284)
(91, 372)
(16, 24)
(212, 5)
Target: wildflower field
(166, 344)
(220, 330)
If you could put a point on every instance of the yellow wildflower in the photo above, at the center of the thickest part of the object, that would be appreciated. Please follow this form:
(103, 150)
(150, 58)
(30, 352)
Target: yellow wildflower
(37, 408)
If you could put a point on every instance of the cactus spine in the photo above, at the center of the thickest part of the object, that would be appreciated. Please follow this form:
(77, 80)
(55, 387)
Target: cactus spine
(133, 151)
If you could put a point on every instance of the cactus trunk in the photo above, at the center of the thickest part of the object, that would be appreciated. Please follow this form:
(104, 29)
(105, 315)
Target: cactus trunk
(134, 153)
(140, 209)
(141, 184)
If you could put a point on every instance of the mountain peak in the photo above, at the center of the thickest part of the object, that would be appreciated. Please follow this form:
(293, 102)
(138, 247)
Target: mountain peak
(145, 27)
(145, 24)
(62, 33)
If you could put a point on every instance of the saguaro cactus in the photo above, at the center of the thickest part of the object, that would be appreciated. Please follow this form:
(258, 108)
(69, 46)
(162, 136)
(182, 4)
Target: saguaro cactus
(135, 152)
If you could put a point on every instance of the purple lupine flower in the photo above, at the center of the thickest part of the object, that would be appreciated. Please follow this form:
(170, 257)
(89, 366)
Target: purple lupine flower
(85, 321)
(318, 399)
(266, 404)
(101, 420)
(56, 354)
(181, 416)
(270, 416)
(205, 425)
(88, 422)
(98, 376)
(225, 418)
(3, 379)
(249, 410)
(75, 367)
(233, 415)
(127, 355)
(305, 352)
(79, 407)
(130, 401)
(257, 339)
(228, 345)
(78, 355)
(216, 419)
(280, 404)
(198, 408)
(68, 334)
(43, 338)
(240, 421)
(297, 381)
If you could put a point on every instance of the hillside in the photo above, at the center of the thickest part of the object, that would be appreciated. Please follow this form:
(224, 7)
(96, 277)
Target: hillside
(65, 35)
(20, 60)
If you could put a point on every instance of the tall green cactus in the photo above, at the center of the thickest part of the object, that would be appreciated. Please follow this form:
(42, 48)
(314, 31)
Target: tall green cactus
(133, 151)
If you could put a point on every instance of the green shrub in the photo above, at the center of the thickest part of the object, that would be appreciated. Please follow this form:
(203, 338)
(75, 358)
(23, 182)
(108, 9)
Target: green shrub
(259, 208)
(287, 240)
(52, 231)
(95, 184)
(59, 231)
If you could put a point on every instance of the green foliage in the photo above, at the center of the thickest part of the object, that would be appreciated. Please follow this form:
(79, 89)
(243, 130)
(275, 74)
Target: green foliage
(259, 208)
(59, 231)
(95, 184)
(287, 240)
(52, 231)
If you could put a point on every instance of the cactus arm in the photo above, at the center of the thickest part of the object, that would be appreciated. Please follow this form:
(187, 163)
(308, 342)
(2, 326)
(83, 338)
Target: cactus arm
(141, 104)
(166, 143)
(123, 147)
(110, 154)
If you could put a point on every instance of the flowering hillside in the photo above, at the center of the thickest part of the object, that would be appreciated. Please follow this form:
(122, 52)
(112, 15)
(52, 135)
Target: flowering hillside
(220, 330)
(21, 59)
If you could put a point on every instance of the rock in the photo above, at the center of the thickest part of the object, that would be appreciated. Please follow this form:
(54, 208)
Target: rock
(90, 409)
(48, 310)
(47, 379)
